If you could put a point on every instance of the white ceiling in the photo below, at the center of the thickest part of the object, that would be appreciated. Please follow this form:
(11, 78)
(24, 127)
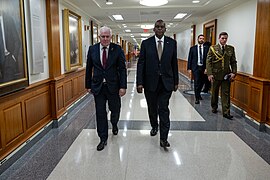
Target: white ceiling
(135, 14)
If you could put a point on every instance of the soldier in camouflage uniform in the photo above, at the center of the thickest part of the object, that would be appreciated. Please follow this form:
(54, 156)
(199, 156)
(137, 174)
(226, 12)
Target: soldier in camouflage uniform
(221, 68)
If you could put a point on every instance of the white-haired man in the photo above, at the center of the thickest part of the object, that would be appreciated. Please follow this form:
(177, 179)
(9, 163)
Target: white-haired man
(106, 79)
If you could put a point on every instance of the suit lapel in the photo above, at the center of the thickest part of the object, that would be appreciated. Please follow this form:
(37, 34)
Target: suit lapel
(166, 47)
(219, 50)
(110, 56)
(97, 55)
(154, 48)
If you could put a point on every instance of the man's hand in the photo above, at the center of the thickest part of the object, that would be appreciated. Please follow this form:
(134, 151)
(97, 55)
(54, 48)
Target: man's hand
(232, 77)
(89, 90)
(175, 87)
(122, 92)
(139, 88)
(211, 78)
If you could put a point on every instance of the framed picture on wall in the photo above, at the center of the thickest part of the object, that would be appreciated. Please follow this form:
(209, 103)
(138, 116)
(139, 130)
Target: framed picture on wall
(72, 40)
(13, 62)
(94, 28)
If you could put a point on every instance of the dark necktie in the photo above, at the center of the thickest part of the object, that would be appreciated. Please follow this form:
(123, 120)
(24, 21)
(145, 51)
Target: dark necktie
(104, 57)
(200, 51)
(159, 49)
(223, 49)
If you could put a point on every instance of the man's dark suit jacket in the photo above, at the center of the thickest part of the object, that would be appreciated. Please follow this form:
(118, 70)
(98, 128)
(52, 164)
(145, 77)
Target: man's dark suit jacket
(149, 69)
(193, 57)
(115, 73)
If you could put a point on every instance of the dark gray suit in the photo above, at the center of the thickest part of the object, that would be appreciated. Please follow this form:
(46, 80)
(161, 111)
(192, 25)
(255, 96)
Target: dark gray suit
(158, 78)
(105, 84)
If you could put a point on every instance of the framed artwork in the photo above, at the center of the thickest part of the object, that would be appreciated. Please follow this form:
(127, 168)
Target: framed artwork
(73, 40)
(13, 62)
(94, 28)
(209, 31)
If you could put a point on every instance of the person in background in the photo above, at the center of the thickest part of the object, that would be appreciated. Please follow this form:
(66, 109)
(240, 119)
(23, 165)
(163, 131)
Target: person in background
(221, 68)
(206, 83)
(157, 74)
(197, 64)
(106, 78)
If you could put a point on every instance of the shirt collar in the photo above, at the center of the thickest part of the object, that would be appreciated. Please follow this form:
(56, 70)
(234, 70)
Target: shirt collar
(162, 39)
(221, 45)
(101, 47)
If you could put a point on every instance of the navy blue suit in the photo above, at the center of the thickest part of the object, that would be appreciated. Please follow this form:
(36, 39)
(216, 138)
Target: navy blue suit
(158, 78)
(197, 71)
(105, 84)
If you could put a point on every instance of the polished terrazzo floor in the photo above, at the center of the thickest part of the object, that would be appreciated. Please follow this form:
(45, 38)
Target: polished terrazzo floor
(203, 145)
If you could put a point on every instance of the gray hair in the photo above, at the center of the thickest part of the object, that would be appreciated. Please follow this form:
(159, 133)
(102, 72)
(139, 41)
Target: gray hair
(105, 28)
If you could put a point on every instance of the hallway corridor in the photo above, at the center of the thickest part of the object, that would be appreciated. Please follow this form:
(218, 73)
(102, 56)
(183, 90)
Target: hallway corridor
(203, 145)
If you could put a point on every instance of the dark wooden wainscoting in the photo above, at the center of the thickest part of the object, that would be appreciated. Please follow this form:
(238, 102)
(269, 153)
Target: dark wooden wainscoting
(25, 112)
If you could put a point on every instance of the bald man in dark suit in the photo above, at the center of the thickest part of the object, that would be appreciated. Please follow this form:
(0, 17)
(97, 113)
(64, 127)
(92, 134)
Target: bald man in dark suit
(157, 74)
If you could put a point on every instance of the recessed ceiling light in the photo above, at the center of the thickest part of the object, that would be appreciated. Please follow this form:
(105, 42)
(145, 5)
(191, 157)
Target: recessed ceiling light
(153, 3)
(180, 15)
(145, 35)
(128, 30)
(147, 26)
(109, 2)
(118, 17)
(195, 2)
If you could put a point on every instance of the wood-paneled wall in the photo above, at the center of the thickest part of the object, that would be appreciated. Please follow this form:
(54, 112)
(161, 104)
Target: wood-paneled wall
(27, 111)
(22, 114)
(262, 40)
(182, 68)
(252, 95)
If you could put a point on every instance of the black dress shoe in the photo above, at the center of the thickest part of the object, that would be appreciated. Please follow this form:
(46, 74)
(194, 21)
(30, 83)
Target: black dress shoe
(101, 145)
(164, 143)
(197, 101)
(228, 116)
(214, 110)
(115, 130)
(153, 131)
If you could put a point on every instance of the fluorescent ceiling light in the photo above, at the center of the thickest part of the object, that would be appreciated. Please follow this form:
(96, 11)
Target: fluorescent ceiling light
(145, 34)
(132, 36)
(128, 30)
(118, 17)
(195, 2)
(153, 2)
(180, 15)
(147, 26)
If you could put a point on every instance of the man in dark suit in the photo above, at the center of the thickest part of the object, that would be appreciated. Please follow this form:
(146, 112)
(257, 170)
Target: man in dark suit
(106, 78)
(221, 70)
(197, 64)
(157, 74)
